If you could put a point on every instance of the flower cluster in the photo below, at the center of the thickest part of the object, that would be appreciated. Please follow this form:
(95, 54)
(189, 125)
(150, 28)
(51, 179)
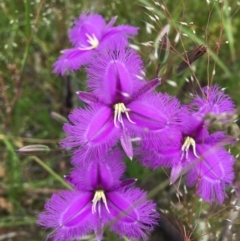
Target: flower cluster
(199, 154)
(124, 115)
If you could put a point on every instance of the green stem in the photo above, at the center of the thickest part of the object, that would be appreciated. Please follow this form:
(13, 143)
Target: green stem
(27, 33)
(158, 188)
(51, 172)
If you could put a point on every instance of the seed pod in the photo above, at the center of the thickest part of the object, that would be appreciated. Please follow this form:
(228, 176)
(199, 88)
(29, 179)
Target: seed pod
(33, 150)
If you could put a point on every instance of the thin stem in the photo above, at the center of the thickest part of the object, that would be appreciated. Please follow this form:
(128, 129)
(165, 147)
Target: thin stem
(50, 171)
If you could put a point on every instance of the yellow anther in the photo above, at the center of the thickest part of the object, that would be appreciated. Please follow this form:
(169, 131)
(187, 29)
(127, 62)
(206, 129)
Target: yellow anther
(187, 144)
(98, 196)
(119, 109)
(92, 40)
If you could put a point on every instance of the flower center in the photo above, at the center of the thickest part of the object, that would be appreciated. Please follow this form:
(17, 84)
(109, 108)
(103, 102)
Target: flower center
(98, 196)
(92, 40)
(119, 109)
(188, 142)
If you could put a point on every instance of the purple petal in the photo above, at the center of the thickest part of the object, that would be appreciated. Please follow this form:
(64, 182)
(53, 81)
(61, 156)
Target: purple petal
(117, 81)
(126, 31)
(212, 100)
(92, 130)
(72, 59)
(127, 144)
(128, 183)
(155, 112)
(86, 24)
(219, 138)
(100, 125)
(151, 85)
(119, 205)
(69, 214)
(212, 173)
(146, 116)
(68, 179)
(111, 22)
(157, 117)
(110, 171)
(78, 211)
(87, 97)
(176, 172)
(163, 156)
(195, 126)
(104, 173)
(113, 73)
(131, 213)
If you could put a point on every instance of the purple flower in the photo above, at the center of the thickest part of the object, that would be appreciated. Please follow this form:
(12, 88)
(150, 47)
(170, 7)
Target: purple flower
(210, 167)
(197, 153)
(206, 162)
(120, 107)
(213, 100)
(99, 200)
(90, 32)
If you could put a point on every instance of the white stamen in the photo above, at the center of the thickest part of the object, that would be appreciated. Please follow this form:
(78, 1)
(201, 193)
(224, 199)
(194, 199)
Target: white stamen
(92, 40)
(120, 108)
(187, 144)
(98, 196)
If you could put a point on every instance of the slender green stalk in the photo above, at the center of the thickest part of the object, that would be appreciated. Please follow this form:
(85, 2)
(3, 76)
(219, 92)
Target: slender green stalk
(27, 33)
(16, 221)
(158, 188)
(14, 167)
(50, 171)
(27, 18)
(226, 19)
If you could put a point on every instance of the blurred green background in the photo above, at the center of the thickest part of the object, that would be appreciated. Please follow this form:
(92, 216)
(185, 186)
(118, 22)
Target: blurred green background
(34, 102)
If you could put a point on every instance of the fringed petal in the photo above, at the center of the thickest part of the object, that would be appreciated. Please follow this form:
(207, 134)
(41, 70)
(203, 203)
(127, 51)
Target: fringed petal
(69, 214)
(112, 74)
(127, 144)
(163, 156)
(72, 59)
(87, 97)
(146, 116)
(91, 130)
(213, 100)
(212, 173)
(111, 22)
(86, 24)
(132, 215)
(104, 173)
(126, 31)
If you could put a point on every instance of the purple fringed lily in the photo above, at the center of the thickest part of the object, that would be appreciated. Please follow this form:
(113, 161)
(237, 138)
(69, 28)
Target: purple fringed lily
(199, 155)
(90, 32)
(213, 167)
(99, 199)
(120, 107)
(206, 163)
(202, 157)
(213, 100)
